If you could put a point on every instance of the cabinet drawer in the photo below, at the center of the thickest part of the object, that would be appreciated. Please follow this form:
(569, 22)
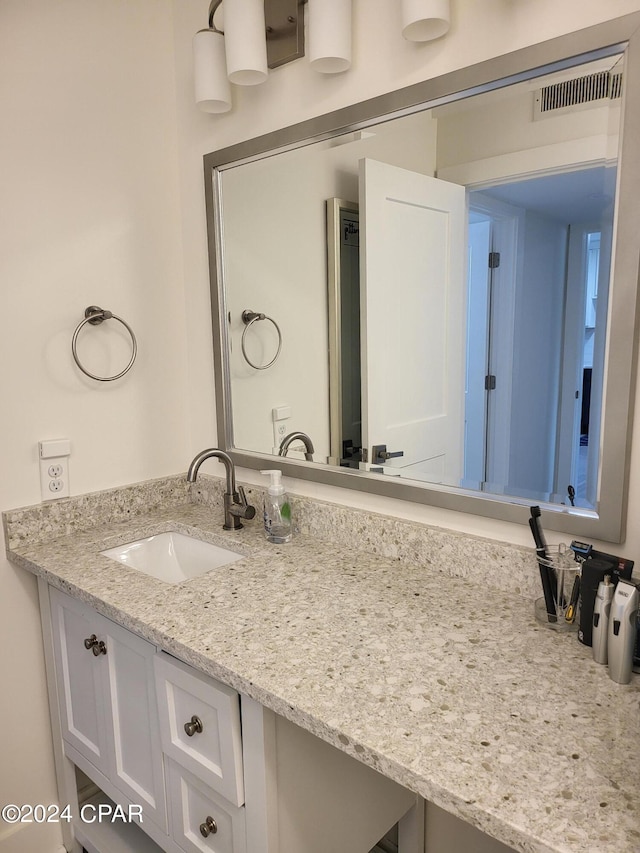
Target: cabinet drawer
(211, 711)
(200, 820)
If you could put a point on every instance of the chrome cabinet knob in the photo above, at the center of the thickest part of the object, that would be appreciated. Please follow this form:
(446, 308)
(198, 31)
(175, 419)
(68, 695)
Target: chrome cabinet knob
(194, 725)
(209, 827)
(98, 647)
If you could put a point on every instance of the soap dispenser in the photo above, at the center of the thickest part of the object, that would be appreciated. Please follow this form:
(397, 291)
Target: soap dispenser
(277, 510)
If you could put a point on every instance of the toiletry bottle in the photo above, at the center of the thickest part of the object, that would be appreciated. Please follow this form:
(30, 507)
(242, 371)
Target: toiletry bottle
(592, 572)
(277, 510)
(601, 611)
(622, 631)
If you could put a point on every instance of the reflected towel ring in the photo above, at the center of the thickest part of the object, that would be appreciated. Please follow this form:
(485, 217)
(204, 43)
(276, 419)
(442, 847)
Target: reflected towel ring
(95, 316)
(249, 318)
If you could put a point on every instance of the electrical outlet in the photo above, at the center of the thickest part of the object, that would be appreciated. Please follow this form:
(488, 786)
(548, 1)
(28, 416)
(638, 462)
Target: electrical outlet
(54, 468)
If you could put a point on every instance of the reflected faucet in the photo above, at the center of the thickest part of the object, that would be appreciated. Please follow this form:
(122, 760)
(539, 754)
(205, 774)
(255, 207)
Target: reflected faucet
(235, 501)
(293, 436)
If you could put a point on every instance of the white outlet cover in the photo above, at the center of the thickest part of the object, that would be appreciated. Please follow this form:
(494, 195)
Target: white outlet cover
(54, 477)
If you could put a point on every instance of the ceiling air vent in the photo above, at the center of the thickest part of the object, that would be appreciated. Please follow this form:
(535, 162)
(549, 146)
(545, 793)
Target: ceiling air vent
(587, 90)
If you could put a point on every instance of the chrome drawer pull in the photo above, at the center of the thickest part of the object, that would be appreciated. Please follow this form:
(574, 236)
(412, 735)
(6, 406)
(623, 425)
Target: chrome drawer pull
(209, 827)
(194, 725)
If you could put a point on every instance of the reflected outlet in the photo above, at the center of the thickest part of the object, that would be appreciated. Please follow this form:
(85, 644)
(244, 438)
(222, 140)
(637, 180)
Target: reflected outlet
(280, 416)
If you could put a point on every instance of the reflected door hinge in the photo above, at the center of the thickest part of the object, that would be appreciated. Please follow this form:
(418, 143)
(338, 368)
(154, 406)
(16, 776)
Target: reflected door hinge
(490, 382)
(494, 260)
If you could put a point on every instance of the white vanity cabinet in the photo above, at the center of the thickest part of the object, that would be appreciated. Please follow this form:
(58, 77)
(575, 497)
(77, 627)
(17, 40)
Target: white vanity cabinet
(212, 770)
(149, 731)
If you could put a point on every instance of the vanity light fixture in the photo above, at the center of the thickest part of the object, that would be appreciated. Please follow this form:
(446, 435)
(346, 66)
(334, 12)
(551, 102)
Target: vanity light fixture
(247, 37)
(425, 20)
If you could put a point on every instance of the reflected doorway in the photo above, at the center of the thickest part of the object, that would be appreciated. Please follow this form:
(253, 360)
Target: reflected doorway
(538, 270)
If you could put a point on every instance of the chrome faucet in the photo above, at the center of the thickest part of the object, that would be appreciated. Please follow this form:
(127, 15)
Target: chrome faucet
(293, 436)
(235, 501)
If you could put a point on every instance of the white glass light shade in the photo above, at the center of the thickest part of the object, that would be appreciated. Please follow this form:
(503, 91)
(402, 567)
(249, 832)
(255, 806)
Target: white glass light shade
(424, 20)
(245, 36)
(213, 92)
(330, 35)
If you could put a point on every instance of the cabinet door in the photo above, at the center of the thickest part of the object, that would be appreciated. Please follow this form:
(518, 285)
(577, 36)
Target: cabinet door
(108, 702)
(79, 676)
(135, 753)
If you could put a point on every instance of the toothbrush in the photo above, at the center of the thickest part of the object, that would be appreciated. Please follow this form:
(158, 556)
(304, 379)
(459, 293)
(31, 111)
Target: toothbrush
(547, 575)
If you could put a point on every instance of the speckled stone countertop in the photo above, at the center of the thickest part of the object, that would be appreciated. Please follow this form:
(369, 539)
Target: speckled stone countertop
(446, 685)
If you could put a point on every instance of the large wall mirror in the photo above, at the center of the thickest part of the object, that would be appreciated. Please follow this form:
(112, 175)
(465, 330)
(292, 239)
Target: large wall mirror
(437, 288)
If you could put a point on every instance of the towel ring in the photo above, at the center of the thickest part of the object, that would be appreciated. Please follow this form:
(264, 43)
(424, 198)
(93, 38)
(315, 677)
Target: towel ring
(95, 316)
(249, 318)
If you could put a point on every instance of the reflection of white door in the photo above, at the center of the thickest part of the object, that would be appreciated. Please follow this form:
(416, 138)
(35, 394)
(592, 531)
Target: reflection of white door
(412, 261)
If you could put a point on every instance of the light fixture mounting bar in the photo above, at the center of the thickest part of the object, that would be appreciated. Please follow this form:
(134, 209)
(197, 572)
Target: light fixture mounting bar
(285, 31)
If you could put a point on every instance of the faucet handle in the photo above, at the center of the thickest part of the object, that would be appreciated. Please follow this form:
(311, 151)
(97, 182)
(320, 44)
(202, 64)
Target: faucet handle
(243, 509)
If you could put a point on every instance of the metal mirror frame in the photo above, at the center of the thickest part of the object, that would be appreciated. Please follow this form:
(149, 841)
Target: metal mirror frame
(608, 522)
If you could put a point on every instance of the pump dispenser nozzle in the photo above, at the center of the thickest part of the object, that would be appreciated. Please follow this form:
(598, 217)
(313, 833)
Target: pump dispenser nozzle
(275, 486)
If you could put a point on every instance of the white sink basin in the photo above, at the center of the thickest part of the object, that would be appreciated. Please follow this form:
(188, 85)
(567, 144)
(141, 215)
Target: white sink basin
(172, 557)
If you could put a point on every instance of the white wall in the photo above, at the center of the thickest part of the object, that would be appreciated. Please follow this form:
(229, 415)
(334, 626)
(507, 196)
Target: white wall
(90, 215)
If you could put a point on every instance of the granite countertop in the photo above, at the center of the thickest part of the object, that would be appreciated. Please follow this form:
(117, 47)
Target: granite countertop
(446, 686)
